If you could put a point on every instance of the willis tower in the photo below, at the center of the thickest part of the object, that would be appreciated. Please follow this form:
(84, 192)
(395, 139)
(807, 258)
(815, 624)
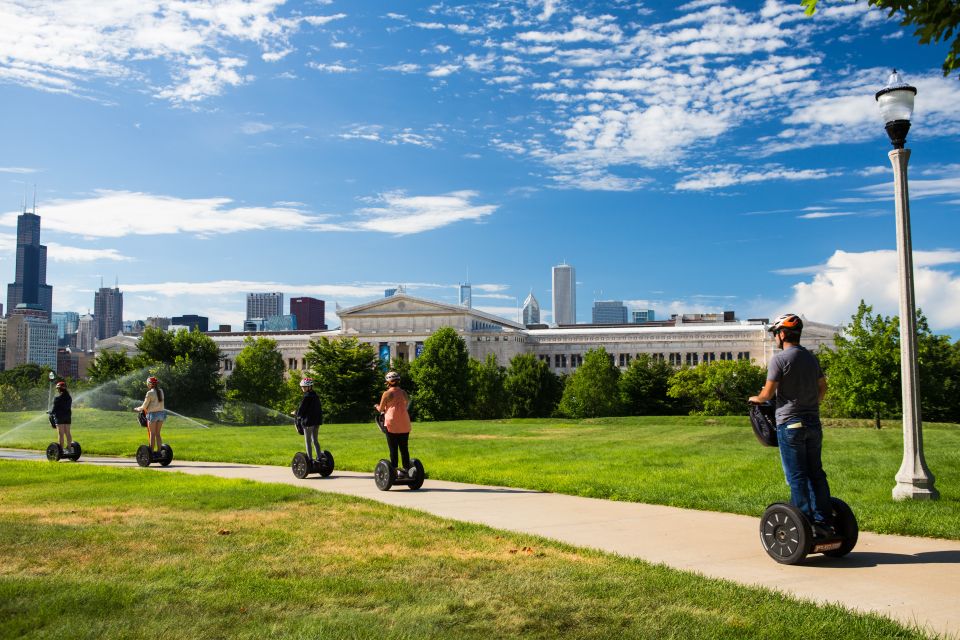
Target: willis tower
(30, 286)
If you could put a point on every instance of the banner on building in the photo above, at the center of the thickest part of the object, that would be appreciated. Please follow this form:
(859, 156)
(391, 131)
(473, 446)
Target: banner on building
(385, 353)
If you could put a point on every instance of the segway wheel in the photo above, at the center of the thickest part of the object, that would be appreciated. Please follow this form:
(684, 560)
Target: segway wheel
(143, 455)
(785, 533)
(326, 464)
(846, 526)
(166, 455)
(416, 474)
(54, 452)
(75, 451)
(300, 465)
(383, 475)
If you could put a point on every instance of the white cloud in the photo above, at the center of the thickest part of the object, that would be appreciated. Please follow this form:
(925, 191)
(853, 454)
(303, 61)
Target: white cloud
(401, 214)
(377, 133)
(405, 67)
(719, 177)
(846, 278)
(443, 70)
(17, 170)
(336, 67)
(62, 253)
(67, 46)
(919, 188)
(253, 128)
(819, 215)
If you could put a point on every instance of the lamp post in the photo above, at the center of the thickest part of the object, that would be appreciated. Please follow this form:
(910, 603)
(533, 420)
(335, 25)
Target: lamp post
(51, 377)
(914, 480)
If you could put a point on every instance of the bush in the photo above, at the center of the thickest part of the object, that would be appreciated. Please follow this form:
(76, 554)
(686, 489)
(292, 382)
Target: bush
(718, 388)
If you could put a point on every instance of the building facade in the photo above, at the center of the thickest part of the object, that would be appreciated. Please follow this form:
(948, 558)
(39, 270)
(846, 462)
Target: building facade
(30, 281)
(264, 305)
(31, 338)
(639, 316)
(192, 321)
(310, 313)
(564, 294)
(609, 312)
(108, 312)
(466, 294)
(66, 322)
(531, 310)
(86, 333)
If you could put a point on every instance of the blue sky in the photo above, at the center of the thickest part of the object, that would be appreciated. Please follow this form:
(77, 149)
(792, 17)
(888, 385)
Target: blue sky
(683, 157)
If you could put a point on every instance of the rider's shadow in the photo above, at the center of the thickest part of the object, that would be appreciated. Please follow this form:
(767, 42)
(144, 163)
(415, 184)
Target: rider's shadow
(874, 558)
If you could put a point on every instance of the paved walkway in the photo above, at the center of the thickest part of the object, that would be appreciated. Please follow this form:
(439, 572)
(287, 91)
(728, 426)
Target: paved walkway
(913, 580)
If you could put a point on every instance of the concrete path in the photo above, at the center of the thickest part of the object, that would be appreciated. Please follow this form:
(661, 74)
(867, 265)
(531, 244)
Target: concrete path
(913, 580)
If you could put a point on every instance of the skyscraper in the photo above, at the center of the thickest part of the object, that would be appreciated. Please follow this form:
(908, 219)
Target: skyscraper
(66, 322)
(309, 312)
(564, 294)
(531, 310)
(30, 283)
(466, 294)
(264, 305)
(609, 312)
(108, 312)
(31, 338)
(86, 333)
(192, 321)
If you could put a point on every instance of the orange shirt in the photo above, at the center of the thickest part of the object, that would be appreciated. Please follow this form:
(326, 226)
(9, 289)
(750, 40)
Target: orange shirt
(393, 404)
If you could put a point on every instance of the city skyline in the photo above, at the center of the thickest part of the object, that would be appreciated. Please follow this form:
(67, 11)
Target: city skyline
(685, 158)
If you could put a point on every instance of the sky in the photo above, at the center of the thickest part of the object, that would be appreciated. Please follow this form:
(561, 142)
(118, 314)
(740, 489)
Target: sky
(692, 157)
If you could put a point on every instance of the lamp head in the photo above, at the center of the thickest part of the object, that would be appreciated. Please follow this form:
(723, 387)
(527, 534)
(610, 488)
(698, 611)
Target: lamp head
(896, 107)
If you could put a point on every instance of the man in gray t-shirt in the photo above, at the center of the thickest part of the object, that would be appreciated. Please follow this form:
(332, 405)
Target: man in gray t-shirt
(795, 379)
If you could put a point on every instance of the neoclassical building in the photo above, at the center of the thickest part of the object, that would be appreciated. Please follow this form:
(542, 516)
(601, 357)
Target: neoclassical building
(398, 325)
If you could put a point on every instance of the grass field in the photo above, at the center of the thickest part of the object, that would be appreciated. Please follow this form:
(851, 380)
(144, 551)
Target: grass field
(702, 463)
(126, 553)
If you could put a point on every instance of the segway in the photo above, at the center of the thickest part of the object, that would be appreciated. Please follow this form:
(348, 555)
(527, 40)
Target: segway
(386, 475)
(303, 465)
(55, 452)
(788, 536)
(146, 456)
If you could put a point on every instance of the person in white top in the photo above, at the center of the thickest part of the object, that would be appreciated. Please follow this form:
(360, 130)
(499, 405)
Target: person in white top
(156, 413)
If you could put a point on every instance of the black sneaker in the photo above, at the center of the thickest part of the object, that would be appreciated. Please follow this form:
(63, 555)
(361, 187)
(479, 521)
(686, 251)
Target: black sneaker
(823, 530)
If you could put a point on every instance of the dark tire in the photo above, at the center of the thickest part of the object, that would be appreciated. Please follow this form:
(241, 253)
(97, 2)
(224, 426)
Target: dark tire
(143, 455)
(845, 524)
(785, 533)
(383, 475)
(54, 452)
(300, 465)
(416, 474)
(75, 451)
(166, 455)
(326, 464)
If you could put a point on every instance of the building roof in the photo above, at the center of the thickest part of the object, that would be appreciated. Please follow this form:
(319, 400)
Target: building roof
(395, 305)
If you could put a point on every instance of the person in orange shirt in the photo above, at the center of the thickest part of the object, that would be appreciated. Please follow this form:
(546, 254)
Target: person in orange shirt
(393, 404)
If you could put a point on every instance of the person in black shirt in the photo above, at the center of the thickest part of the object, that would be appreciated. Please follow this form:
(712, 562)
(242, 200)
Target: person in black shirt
(62, 412)
(309, 417)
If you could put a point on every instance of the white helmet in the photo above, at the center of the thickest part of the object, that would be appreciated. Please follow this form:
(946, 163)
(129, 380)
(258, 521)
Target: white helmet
(393, 376)
(306, 382)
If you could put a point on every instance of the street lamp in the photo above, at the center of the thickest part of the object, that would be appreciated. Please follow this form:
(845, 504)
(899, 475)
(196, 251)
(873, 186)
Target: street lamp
(51, 377)
(914, 480)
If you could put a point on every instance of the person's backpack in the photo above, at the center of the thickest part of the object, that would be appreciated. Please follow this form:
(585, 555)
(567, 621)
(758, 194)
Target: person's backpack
(763, 419)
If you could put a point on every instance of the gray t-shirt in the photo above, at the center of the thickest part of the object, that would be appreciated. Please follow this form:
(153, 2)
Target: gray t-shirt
(797, 373)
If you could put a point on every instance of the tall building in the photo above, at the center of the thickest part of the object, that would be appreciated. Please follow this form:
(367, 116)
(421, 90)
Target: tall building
(309, 312)
(191, 321)
(31, 338)
(30, 283)
(264, 305)
(86, 333)
(66, 322)
(564, 294)
(157, 322)
(466, 294)
(609, 312)
(108, 311)
(641, 315)
(531, 310)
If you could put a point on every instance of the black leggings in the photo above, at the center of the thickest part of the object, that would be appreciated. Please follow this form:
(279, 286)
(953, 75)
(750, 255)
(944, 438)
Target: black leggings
(399, 441)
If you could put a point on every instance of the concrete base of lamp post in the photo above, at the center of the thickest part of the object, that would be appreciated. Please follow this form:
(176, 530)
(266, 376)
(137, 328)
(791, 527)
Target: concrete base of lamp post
(914, 480)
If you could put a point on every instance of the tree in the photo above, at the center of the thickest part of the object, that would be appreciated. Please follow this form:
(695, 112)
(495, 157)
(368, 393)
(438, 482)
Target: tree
(347, 377)
(643, 388)
(863, 368)
(533, 390)
(592, 391)
(10, 399)
(488, 395)
(442, 374)
(257, 381)
(718, 388)
(109, 365)
(935, 20)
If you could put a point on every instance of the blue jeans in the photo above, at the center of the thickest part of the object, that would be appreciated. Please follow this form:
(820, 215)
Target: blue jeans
(800, 455)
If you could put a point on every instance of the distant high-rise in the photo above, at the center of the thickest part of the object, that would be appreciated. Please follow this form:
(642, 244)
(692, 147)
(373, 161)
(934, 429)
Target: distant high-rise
(309, 312)
(564, 294)
(66, 322)
(531, 310)
(192, 321)
(30, 283)
(609, 312)
(86, 333)
(108, 311)
(466, 294)
(643, 315)
(157, 322)
(31, 338)
(264, 305)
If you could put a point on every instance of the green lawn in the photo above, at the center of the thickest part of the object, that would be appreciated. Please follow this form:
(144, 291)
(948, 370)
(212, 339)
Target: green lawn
(90, 552)
(703, 463)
